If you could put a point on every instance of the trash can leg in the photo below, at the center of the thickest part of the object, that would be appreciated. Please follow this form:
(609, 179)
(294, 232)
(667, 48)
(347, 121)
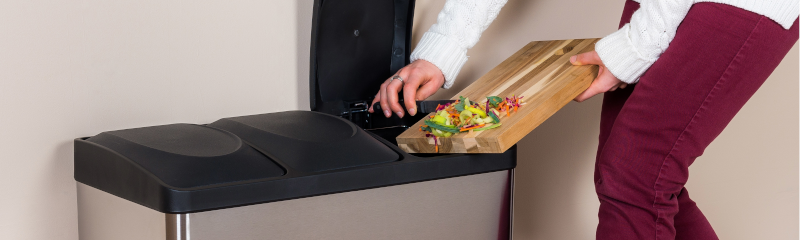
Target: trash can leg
(178, 226)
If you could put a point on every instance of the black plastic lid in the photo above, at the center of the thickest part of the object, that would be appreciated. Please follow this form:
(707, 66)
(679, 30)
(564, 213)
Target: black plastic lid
(190, 156)
(238, 161)
(355, 46)
(309, 141)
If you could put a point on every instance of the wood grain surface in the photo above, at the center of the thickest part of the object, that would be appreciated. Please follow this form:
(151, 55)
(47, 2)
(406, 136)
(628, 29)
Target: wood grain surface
(541, 72)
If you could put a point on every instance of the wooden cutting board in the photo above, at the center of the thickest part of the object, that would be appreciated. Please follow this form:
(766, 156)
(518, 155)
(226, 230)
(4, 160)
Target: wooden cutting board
(541, 72)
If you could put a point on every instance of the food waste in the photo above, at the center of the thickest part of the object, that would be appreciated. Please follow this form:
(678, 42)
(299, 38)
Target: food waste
(464, 115)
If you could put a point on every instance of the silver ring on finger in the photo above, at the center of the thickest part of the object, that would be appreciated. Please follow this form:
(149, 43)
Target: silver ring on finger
(398, 78)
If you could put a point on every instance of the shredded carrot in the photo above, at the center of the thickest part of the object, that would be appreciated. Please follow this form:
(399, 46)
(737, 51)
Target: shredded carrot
(436, 143)
(515, 108)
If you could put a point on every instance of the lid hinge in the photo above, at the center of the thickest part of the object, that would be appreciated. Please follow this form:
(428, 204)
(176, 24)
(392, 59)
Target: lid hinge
(357, 112)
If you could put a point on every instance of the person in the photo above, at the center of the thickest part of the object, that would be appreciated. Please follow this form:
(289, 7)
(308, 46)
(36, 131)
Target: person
(673, 77)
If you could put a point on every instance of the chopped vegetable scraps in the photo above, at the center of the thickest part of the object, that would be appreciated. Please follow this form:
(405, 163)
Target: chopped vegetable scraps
(466, 116)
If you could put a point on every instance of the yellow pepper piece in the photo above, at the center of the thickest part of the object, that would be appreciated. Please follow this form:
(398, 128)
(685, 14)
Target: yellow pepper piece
(476, 111)
(439, 119)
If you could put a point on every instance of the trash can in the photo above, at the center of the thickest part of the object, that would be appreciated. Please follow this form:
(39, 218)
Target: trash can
(330, 173)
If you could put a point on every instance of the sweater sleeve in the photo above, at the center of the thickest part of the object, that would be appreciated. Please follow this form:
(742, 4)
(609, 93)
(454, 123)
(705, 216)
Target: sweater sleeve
(458, 28)
(630, 51)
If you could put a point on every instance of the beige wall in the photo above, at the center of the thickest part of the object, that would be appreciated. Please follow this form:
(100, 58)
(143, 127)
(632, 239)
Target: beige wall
(70, 69)
(75, 68)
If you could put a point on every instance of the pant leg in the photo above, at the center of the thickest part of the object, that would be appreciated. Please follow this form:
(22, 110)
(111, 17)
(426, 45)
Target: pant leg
(613, 101)
(690, 223)
(718, 59)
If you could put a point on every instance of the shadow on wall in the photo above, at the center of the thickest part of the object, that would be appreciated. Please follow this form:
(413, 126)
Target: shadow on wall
(60, 177)
(305, 10)
(554, 173)
(424, 12)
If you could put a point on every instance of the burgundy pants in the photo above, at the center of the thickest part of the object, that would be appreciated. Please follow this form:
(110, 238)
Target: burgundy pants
(652, 131)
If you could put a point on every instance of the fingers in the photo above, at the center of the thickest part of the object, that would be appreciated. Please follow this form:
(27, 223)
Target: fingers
(409, 95)
(421, 79)
(392, 91)
(593, 89)
(384, 100)
(623, 85)
(604, 82)
(374, 100)
(587, 58)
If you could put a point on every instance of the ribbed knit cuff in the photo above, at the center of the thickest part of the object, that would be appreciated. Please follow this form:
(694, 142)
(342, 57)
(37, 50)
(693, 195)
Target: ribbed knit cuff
(620, 57)
(446, 54)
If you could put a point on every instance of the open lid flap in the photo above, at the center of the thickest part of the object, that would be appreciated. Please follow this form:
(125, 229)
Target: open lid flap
(355, 46)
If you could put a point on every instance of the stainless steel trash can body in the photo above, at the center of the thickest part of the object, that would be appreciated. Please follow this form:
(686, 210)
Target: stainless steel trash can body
(467, 207)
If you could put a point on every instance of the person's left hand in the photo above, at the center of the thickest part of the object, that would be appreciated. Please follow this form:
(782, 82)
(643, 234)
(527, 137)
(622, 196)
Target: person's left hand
(421, 80)
(605, 81)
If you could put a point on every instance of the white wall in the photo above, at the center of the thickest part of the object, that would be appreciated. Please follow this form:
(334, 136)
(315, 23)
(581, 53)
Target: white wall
(70, 69)
(76, 68)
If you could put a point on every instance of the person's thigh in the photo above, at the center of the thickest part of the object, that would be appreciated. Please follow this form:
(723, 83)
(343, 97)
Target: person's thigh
(719, 57)
(613, 101)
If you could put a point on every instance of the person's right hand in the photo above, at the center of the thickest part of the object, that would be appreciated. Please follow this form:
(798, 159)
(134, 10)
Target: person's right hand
(421, 79)
(605, 81)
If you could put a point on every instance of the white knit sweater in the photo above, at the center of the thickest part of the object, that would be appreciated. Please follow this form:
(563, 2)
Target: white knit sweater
(627, 53)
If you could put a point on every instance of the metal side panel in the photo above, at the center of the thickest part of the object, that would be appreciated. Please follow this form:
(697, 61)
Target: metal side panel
(511, 204)
(463, 208)
(102, 216)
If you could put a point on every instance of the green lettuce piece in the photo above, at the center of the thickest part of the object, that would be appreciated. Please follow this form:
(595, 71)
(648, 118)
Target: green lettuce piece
(494, 100)
(428, 129)
(434, 125)
(460, 106)
(494, 117)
